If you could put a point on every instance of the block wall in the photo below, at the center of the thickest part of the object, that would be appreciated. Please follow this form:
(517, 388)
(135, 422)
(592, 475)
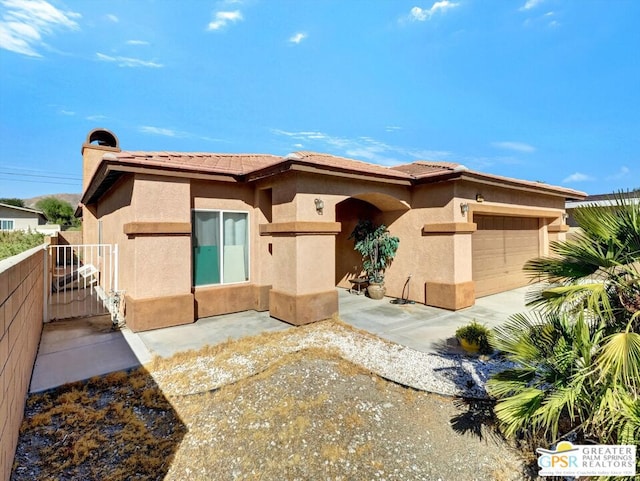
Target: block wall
(21, 298)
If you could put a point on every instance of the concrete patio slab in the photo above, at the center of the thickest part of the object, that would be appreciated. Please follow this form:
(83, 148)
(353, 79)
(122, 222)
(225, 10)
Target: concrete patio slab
(209, 331)
(78, 349)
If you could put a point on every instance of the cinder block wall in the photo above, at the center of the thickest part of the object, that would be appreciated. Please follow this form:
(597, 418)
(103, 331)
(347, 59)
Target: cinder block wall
(21, 298)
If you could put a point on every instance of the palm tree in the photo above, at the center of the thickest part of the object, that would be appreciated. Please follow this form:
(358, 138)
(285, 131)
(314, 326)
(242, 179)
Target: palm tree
(597, 270)
(546, 385)
(577, 359)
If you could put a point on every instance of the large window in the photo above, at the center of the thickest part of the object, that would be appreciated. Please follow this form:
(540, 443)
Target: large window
(6, 224)
(220, 247)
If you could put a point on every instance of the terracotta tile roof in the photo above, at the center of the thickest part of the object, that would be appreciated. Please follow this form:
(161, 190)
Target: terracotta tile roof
(423, 168)
(240, 165)
(232, 164)
(342, 163)
(571, 193)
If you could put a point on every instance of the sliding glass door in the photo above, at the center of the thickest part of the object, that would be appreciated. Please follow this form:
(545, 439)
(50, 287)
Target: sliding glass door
(220, 247)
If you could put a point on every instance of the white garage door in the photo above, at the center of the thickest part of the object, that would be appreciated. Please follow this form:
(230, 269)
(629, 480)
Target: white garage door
(501, 246)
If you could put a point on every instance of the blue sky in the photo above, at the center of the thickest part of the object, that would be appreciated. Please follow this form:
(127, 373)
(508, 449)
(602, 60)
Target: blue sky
(545, 90)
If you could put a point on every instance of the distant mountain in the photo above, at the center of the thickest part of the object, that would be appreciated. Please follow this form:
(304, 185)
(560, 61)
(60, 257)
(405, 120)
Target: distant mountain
(73, 199)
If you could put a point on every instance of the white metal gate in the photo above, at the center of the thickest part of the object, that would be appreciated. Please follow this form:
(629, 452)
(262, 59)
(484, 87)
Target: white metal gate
(82, 281)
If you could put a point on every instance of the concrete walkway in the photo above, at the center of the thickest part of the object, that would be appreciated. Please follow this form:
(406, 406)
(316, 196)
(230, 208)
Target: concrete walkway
(425, 328)
(79, 349)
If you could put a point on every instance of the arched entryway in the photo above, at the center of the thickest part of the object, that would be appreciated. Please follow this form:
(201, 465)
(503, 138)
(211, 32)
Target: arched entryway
(379, 208)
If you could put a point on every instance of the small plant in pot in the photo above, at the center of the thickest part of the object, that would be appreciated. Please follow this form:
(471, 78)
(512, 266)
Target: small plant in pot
(474, 338)
(378, 248)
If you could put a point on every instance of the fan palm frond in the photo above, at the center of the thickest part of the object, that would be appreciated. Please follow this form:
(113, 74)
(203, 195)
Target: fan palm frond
(620, 358)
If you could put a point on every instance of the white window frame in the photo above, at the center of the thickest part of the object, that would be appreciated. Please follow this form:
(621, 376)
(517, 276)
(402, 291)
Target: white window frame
(13, 225)
(221, 230)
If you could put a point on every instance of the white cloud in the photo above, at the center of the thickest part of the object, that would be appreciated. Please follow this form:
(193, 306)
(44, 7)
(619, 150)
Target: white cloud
(392, 128)
(137, 42)
(95, 118)
(531, 4)
(363, 148)
(67, 112)
(179, 134)
(298, 37)
(222, 18)
(113, 18)
(577, 177)
(26, 22)
(621, 174)
(147, 129)
(516, 146)
(422, 14)
(128, 61)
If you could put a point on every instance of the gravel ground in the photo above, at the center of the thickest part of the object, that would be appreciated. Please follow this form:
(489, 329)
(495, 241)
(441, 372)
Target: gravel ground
(451, 375)
(313, 416)
(311, 403)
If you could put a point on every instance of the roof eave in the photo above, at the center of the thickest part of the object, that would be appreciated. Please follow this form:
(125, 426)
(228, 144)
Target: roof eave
(299, 165)
(25, 209)
(524, 186)
(111, 170)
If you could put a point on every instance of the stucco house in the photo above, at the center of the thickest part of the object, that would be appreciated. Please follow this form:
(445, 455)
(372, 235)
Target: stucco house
(202, 234)
(20, 218)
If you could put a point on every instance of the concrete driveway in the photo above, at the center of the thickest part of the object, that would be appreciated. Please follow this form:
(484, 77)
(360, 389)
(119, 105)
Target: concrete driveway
(426, 328)
(74, 350)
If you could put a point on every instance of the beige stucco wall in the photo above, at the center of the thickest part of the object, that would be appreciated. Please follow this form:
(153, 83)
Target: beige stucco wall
(150, 265)
(262, 263)
(161, 263)
(442, 258)
(21, 298)
(113, 212)
(423, 257)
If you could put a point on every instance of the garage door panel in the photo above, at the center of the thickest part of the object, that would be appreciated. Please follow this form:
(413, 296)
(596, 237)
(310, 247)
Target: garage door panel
(501, 247)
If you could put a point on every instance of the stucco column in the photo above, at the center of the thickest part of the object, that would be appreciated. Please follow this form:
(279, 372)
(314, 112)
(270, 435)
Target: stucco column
(159, 294)
(450, 284)
(303, 289)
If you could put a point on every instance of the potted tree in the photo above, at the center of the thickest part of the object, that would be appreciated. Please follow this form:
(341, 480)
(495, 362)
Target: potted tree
(378, 248)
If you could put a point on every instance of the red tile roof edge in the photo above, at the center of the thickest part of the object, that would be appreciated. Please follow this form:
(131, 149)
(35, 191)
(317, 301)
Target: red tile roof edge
(441, 169)
(527, 183)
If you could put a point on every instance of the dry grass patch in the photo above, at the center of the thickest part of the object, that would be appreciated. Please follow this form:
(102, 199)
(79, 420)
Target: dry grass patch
(119, 426)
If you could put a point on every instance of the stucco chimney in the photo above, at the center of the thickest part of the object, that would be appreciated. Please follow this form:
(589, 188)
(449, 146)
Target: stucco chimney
(98, 142)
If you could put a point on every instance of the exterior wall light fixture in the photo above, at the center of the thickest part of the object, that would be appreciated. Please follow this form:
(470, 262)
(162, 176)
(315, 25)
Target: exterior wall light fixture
(464, 208)
(479, 198)
(319, 206)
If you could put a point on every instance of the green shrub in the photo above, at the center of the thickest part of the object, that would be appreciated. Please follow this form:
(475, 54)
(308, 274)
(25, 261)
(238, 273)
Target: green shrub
(476, 333)
(15, 242)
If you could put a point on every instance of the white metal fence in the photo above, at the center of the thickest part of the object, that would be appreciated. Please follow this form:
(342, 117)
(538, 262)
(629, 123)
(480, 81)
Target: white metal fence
(82, 280)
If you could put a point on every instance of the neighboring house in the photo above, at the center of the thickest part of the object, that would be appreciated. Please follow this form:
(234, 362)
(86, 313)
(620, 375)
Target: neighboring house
(20, 218)
(205, 234)
(599, 200)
